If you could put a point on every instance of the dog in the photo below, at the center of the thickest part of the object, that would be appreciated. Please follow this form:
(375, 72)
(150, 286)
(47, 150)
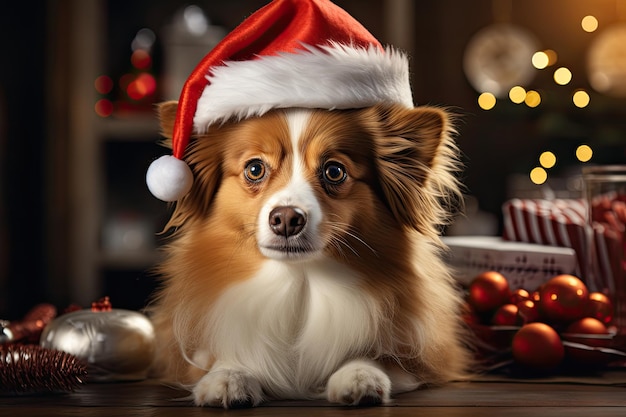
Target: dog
(305, 262)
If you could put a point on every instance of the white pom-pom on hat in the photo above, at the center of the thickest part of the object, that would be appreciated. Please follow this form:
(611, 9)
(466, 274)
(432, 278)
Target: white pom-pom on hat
(169, 178)
(272, 60)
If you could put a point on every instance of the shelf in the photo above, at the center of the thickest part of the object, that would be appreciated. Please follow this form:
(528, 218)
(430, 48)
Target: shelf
(131, 127)
(140, 259)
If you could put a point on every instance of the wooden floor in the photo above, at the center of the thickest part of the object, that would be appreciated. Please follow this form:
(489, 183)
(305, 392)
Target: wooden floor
(483, 399)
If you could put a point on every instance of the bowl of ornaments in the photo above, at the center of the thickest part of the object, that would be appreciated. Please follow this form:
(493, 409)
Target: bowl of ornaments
(559, 327)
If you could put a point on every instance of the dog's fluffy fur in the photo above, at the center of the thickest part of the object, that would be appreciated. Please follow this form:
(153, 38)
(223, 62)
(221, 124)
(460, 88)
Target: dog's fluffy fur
(356, 306)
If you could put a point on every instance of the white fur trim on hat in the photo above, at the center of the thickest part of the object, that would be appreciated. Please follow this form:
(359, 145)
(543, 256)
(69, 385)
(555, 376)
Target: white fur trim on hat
(169, 178)
(329, 77)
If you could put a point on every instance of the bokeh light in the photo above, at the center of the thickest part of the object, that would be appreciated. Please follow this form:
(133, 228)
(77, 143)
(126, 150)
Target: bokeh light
(562, 76)
(144, 85)
(584, 153)
(533, 99)
(547, 159)
(589, 24)
(540, 60)
(144, 39)
(104, 108)
(517, 94)
(486, 101)
(141, 59)
(581, 98)
(544, 59)
(103, 84)
(538, 175)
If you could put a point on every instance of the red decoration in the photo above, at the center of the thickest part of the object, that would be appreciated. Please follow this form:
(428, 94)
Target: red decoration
(519, 295)
(589, 336)
(538, 346)
(527, 312)
(30, 369)
(600, 307)
(29, 328)
(562, 308)
(564, 298)
(488, 291)
(586, 332)
(506, 315)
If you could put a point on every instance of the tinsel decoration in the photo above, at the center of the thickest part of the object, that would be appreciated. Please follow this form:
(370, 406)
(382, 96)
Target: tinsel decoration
(31, 369)
(29, 328)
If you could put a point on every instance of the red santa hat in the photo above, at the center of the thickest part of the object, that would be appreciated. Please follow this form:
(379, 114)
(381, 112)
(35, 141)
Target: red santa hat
(290, 53)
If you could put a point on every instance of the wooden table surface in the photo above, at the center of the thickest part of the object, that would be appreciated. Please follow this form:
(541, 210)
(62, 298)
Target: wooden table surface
(484, 399)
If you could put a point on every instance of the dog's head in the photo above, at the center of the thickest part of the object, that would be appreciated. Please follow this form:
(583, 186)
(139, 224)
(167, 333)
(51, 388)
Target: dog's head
(300, 183)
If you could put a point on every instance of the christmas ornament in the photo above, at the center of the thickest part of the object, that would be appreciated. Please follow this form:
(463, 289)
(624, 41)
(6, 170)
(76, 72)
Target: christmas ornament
(274, 60)
(564, 298)
(586, 342)
(527, 312)
(30, 369)
(588, 331)
(117, 344)
(488, 291)
(538, 346)
(505, 315)
(30, 327)
(600, 307)
(519, 295)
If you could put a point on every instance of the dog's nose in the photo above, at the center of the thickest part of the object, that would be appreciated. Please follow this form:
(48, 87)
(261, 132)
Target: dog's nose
(287, 221)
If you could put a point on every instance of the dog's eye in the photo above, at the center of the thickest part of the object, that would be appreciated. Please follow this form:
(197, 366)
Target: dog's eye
(255, 170)
(334, 173)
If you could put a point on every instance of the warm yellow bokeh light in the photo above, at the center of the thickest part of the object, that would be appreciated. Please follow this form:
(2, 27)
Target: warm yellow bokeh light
(581, 98)
(552, 56)
(543, 59)
(533, 98)
(517, 94)
(540, 60)
(562, 76)
(547, 159)
(589, 24)
(486, 101)
(584, 153)
(538, 175)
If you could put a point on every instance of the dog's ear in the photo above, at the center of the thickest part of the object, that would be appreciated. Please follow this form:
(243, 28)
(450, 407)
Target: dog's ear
(167, 115)
(204, 161)
(417, 160)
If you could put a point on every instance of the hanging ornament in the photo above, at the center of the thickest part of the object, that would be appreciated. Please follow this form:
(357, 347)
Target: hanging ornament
(499, 56)
(117, 344)
(31, 369)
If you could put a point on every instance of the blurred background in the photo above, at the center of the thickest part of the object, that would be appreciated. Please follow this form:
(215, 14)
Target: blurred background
(539, 88)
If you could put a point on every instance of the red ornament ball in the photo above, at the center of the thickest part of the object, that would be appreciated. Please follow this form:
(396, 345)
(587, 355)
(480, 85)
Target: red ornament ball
(527, 312)
(600, 307)
(591, 334)
(538, 346)
(588, 331)
(519, 295)
(564, 298)
(488, 291)
(505, 315)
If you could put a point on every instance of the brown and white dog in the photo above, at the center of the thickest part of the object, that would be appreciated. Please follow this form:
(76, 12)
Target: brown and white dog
(305, 259)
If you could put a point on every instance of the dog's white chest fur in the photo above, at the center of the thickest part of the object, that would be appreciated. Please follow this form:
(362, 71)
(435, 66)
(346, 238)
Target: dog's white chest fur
(292, 325)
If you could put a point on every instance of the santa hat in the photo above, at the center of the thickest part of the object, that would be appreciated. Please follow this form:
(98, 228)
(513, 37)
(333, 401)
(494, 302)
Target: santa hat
(290, 53)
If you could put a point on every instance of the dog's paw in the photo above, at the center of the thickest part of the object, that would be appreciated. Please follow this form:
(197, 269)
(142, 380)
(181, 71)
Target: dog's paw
(359, 383)
(227, 388)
